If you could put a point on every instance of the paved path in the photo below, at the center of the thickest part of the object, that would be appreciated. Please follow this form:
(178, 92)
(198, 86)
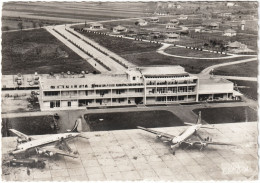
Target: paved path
(113, 65)
(207, 70)
(90, 60)
(237, 78)
(110, 53)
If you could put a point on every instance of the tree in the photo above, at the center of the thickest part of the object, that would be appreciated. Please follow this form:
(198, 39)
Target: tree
(40, 24)
(34, 24)
(5, 28)
(20, 25)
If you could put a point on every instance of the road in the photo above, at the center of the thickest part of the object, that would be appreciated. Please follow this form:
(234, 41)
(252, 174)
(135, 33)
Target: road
(90, 60)
(237, 78)
(113, 65)
(207, 70)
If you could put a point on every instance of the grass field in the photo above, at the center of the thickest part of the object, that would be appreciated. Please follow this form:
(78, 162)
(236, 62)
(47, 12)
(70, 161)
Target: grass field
(191, 53)
(144, 54)
(227, 114)
(249, 88)
(129, 120)
(36, 125)
(193, 66)
(27, 52)
(120, 45)
(248, 69)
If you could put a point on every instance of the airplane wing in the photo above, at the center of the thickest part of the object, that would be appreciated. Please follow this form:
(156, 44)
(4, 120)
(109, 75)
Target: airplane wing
(206, 142)
(54, 150)
(21, 135)
(161, 134)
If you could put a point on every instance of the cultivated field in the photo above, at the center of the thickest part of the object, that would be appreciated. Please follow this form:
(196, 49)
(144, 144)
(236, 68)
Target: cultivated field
(227, 114)
(129, 120)
(248, 69)
(27, 52)
(74, 11)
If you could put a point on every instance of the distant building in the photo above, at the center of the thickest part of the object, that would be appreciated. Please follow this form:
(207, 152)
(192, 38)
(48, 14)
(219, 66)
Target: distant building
(142, 22)
(230, 4)
(154, 19)
(143, 85)
(230, 32)
(243, 22)
(236, 45)
(171, 26)
(174, 21)
(213, 26)
(199, 29)
(96, 26)
(171, 37)
(183, 17)
(119, 29)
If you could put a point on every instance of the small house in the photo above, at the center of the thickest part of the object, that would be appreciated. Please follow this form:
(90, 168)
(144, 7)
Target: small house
(142, 22)
(213, 26)
(171, 26)
(172, 37)
(154, 19)
(183, 17)
(230, 32)
(174, 21)
(236, 45)
(96, 26)
(199, 29)
(119, 29)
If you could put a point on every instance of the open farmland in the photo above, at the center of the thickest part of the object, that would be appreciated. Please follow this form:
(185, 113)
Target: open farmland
(74, 11)
(27, 52)
(248, 69)
(191, 53)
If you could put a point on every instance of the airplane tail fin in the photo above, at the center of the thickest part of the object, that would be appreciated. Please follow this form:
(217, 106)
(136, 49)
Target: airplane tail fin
(199, 118)
(77, 126)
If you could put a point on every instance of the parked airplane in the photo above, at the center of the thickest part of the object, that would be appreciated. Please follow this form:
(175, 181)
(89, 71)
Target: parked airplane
(49, 145)
(184, 137)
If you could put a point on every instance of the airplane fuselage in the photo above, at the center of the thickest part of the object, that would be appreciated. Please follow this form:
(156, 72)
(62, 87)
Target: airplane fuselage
(186, 134)
(43, 141)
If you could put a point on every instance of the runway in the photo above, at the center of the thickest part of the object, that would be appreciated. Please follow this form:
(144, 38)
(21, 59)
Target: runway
(138, 155)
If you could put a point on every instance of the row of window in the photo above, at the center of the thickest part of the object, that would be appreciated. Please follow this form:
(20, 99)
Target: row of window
(94, 85)
(177, 76)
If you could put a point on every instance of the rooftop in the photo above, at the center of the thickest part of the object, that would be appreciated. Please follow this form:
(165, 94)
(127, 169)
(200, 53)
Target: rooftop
(162, 70)
(98, 79)
(214, 81)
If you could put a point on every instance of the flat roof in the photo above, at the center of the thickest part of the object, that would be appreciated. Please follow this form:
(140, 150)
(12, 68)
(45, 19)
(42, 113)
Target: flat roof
(98, 79)
(214, 81)
(138, 155)
(162, 70)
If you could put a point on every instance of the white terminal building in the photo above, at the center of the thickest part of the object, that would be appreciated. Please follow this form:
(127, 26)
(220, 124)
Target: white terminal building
(142, 85)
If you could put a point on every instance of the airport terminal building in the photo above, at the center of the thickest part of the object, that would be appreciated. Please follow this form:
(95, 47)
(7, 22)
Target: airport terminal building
(138, 86)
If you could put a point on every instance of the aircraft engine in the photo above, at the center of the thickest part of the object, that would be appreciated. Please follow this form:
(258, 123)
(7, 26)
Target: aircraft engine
(158, 136)
(203, 145)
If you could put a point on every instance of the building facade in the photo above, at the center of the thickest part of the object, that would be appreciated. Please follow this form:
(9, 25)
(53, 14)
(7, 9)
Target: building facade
(143, 85)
